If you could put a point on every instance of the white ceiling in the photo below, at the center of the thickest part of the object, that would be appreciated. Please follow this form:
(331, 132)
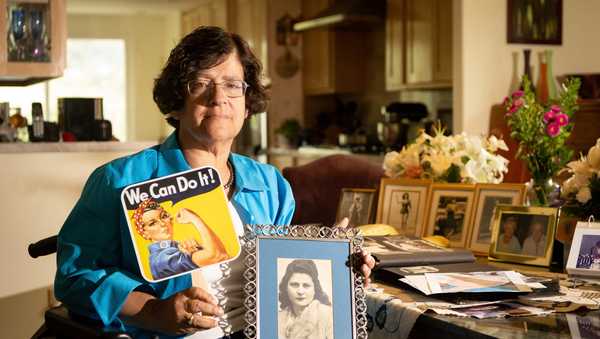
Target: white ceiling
(130, 6)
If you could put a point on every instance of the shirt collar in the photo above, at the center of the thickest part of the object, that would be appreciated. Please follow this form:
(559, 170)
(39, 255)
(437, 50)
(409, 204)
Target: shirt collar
(173, 161)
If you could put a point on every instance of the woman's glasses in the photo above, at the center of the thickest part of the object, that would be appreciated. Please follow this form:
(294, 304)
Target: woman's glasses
(232, 88)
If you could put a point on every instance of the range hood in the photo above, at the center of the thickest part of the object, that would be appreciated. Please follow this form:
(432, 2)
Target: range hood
(355, 14)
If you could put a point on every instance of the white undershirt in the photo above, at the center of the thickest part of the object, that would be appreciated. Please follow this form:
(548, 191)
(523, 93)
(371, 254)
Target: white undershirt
(209, 275)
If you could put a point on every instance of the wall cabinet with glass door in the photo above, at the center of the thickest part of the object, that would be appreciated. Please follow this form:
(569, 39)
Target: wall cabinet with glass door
(418, 44)
(33, 37)
(333, 60)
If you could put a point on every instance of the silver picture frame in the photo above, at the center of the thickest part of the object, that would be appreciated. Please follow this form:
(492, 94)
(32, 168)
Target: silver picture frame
(265, 244)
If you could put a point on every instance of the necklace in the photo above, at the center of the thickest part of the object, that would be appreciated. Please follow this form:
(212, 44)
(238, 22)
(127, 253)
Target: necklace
(231, 177)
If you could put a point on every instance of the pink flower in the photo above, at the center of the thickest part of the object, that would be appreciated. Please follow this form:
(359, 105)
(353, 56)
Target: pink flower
(505, 101)
(562, 119)
(555, 108)
(517, 94)
(553, 129)
(549, 117)
(512, 110)
(518, 102)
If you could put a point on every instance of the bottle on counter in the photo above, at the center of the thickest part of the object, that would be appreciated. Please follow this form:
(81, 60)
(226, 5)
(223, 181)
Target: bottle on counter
(19, 122)
(37, 117)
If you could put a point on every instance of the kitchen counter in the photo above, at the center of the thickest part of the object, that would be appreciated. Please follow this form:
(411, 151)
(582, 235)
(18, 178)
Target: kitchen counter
(80, 146)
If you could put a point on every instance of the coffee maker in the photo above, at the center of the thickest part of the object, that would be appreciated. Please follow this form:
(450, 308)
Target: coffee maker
(400, 123)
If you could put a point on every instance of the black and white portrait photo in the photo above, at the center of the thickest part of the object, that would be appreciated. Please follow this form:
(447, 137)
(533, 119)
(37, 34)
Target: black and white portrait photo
(356, 205)
(305, 299)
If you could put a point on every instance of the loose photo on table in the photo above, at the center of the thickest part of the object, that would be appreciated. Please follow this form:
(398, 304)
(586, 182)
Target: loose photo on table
(523, 234)
(402, 204)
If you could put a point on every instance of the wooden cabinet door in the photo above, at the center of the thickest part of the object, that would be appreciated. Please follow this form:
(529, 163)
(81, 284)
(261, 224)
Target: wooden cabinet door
(248, 18)
(394, 45)
(317, 45)
(211, 13)
(419, 41)
(442, 71)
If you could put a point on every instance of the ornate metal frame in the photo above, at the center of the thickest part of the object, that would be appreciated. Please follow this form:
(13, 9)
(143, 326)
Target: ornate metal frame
(301, 232)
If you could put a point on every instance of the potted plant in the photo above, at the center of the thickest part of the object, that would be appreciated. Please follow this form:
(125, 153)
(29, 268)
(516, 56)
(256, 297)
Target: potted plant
(288, 133)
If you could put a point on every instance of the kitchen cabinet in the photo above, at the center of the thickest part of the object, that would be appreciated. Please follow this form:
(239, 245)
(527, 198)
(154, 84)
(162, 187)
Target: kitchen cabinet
(333, 60)
(210, 13)
(418, 44)
(248, 18)
(33, 37)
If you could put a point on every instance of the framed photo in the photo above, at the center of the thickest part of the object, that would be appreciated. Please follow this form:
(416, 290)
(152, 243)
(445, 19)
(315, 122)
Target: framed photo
(450, 207)
(584, 257)
(357, 205)
(290, 275)
(403, 204)
(487, 196)
(523, 234)
(534, 22)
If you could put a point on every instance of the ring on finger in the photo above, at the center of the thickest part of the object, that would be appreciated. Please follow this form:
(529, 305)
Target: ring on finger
(191, 317)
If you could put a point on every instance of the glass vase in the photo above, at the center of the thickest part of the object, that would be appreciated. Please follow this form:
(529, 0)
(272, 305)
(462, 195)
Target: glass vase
(527, 68)
(552, 91)
(542, 192)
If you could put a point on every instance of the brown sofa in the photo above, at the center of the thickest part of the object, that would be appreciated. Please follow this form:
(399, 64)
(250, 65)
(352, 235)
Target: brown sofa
(318, 184)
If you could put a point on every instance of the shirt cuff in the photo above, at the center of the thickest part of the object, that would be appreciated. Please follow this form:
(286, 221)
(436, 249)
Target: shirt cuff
(110, 296)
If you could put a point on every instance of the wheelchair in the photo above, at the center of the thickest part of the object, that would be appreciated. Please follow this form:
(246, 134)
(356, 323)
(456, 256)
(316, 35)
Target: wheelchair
(59, 323)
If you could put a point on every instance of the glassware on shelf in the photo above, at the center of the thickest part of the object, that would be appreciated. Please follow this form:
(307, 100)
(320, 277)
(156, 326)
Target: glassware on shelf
(28, 30)
(17, 34)
(37, 48)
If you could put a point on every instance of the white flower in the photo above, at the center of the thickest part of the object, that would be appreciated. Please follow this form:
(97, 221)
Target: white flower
(494, 144)
(476, 172)
(593, 157)
(439, 163)
(569, 187)
(584, 195)
(580, 167)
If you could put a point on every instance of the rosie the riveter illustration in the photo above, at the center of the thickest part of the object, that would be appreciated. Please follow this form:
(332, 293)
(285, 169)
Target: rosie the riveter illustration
(167, 256)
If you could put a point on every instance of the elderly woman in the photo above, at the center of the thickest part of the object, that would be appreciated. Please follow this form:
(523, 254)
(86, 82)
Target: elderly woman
(305, 311)
(208, 87)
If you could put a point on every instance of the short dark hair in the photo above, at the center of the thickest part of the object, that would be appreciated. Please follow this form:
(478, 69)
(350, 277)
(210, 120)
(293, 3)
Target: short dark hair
(204, 48)
(301, 266)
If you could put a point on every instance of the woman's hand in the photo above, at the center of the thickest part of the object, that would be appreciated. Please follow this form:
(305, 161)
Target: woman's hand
(185, 312)
(367, 260)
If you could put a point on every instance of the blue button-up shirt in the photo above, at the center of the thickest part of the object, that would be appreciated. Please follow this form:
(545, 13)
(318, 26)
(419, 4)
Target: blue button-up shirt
(96, 262)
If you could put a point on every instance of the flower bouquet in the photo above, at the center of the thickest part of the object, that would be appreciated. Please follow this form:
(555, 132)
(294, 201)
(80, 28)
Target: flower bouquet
(457, 158)
(582, 190)
(541, 132)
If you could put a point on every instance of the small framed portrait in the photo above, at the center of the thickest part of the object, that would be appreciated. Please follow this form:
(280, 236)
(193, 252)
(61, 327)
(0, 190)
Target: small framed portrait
(290, 276)
(584, 257)
(534, 22)
(357, 205)
(487, 196)
(450, 207)
(403, 204)
(523, 234)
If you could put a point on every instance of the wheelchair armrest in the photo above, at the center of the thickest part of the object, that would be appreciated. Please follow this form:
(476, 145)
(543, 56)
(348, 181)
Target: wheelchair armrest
(43, 247)
(66, 325)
